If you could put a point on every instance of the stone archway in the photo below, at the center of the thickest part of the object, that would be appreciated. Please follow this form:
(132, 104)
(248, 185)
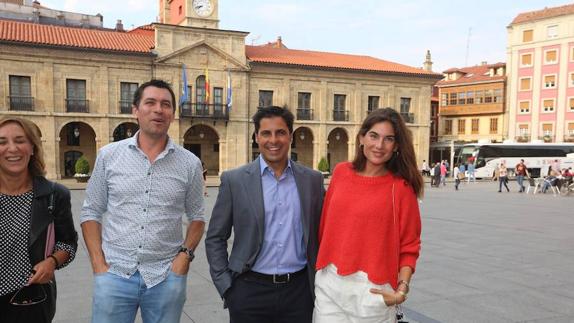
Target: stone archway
(76, 139)
(125, 130)
(203, 141)
(338, 147)
(302, 146)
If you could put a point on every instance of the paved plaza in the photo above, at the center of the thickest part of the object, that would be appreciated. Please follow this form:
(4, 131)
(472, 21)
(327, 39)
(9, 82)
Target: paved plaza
(486, 257)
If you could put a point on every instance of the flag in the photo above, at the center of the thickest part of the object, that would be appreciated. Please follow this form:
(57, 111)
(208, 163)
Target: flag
(229, 91)
(207, 94)
(184, 89)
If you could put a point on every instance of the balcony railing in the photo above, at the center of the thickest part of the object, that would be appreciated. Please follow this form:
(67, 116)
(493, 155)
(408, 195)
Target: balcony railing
(408, 117)
(339, 115)
(522, 138)
(304, 114)
(203, 110)
(77, 105)
(569, 137)
(547, 138)
(125, 107)
(21, 103)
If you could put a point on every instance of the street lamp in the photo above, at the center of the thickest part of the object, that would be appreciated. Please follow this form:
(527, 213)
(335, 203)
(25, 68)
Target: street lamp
(302, 135)
(337, 136)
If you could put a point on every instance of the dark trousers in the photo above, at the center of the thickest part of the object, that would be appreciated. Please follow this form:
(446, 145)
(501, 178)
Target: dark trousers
(37, 313)
(254, 301)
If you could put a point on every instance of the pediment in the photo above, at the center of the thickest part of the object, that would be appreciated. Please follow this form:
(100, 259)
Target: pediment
(202, 54)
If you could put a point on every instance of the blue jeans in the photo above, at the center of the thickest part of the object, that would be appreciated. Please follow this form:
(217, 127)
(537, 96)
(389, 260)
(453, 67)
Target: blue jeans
(116, 299)
(520, 180)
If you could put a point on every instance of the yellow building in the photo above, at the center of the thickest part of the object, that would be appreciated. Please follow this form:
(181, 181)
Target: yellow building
(76, 84)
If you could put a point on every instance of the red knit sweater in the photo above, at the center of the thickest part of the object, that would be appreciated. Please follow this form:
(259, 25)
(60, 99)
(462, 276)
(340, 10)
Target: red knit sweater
(357, 229)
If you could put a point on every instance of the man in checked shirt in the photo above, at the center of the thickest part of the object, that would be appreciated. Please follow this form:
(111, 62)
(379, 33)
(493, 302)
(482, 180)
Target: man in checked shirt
(132, 217)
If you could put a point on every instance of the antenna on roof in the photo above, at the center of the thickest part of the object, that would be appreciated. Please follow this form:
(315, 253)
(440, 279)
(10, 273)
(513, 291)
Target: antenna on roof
(467, 46)
(254, 39)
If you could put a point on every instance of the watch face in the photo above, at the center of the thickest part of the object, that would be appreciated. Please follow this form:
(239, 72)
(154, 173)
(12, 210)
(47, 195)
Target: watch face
(203, 8)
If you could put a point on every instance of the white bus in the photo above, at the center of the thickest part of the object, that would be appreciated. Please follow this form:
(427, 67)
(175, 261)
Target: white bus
(537, 157)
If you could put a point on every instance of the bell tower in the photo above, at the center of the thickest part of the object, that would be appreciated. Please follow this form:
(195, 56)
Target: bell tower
(191, 13)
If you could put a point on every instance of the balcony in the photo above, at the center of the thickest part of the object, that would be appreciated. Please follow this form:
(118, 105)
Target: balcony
(408, 117)
(304, 114)
(547, 138)
(21, 103)
(77, 105)
(522, 138)
(569, 137)
(125, 106)
(203, 110)
(340, 115)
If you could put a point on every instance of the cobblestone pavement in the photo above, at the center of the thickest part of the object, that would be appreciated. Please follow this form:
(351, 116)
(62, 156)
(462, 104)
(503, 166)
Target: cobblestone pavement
(486, 257)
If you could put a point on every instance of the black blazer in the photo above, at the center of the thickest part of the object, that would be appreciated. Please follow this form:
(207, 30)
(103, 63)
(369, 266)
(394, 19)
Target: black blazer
(63, 227)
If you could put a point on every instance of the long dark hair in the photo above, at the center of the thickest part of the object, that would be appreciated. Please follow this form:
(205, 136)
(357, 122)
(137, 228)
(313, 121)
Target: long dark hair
(403, 163)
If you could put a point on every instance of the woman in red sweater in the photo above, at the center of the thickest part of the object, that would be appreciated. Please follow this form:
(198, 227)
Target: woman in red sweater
(369, 237)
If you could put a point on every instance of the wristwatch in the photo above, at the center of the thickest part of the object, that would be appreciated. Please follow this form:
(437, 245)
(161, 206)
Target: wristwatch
(188, 252)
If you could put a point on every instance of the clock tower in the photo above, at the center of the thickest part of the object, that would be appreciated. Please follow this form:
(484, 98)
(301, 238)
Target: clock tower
(190, 13)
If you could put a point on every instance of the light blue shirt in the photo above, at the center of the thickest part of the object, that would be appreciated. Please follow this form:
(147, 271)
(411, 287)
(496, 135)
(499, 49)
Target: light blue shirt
(141, 205)
(283, 250)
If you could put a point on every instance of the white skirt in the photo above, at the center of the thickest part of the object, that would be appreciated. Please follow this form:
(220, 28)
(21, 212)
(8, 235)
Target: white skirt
(347, 299)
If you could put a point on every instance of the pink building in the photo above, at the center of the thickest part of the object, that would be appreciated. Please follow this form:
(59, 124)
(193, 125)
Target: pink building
(540, 80)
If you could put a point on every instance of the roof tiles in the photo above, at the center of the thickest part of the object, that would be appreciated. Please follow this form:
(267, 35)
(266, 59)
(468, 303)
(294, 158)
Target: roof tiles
(473, 74)
(266, 54)
(24, 32)
(543, 14)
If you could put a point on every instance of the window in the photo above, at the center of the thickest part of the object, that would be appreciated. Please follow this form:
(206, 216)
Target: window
(304, 106)
(73, 134)
(405, 105)
(525, 84)
(479, 97)
(571, 79)
(493, 125)
(571, 104)
(548, 105)
(339, 112)
(498, 95)
(550, 56)
(200, 96)
(373, 103)
(127, 91)
(444, 99)
(453, 99)
(488, 96)
(527, 35)
(570, 129)
(547, 129)
(217, 95)
(549, 81)
(448, 127)
(470, 97)
(76, 96)
(526, 60)
(474, 126)
(523, 130)
(265, 98)
(189, 93)
(20, 93)
(552, 31)
(462, 98)
(304, 100)
(524, 106)
(572, 54)
(461, 126)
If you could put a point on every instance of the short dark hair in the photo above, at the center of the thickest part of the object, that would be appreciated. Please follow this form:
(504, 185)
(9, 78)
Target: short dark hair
(403, 163)
(273, 111)
(155, 83)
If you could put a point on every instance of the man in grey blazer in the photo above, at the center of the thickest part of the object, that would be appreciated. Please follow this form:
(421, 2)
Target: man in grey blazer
(273, 205)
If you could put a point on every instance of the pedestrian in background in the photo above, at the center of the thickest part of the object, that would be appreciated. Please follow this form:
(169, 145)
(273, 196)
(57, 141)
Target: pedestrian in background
(520, 170)
(443, 171)
(456, 174)
(502, 177)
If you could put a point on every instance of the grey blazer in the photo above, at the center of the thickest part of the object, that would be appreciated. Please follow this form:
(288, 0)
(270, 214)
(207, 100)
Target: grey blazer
(239, 206)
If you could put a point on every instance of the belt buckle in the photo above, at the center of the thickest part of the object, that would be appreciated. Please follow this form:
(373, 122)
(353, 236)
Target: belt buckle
(275, 281)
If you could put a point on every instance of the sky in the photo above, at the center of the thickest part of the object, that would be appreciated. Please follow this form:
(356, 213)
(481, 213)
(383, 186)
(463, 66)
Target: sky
(458, 33)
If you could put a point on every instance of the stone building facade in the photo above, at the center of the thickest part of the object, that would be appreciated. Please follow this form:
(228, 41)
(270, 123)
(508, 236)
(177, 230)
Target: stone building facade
(76, 84)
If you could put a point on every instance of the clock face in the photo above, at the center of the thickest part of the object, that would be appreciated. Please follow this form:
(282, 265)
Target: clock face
(202, 8)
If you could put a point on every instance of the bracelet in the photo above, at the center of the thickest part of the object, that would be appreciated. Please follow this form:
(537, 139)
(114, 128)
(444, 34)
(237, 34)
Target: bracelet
(404, 282)
(403, 294)
(55, 260)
